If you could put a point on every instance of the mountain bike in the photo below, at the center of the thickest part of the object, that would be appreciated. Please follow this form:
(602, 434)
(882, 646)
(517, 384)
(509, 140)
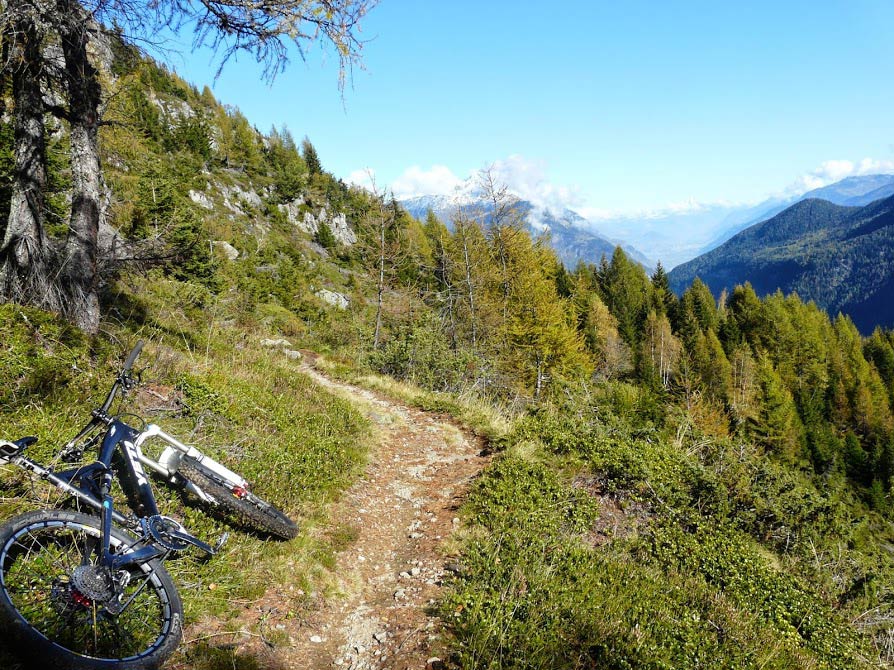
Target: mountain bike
(89, 591)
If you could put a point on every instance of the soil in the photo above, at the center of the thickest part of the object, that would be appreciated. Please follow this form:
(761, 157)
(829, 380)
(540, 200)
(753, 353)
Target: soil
(403, 511)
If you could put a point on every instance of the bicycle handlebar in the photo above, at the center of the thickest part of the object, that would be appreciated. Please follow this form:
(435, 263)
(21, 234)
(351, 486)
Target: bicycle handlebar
(101, 415)
(133, 356)
(122, 379)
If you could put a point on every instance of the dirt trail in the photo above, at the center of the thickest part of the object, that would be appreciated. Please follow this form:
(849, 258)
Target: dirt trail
(403, 509)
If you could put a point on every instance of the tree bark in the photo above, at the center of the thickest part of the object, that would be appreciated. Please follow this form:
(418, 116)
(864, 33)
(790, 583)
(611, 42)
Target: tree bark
(79, 270)
(24, 253)
(380, 282)
(470, 286)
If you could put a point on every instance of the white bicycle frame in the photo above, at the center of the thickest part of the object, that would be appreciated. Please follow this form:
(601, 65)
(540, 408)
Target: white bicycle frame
(169, 461)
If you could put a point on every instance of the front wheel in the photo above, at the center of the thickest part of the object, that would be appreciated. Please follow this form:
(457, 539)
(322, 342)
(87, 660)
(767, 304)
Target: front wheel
(243, 503)
(68, 611)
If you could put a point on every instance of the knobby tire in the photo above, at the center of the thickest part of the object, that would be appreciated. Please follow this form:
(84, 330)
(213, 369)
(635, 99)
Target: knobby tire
(52, 622)
(254, 511)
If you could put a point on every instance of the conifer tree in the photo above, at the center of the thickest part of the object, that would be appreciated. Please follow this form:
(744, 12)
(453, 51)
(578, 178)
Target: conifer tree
(745, 319)
(880, 353)
(443, 273)
(311, 159)
(663, 299)
(471, 267)
(697, 312)
(541, 340)
(610, 354)
(25, 254)
(777, 425)
(712, 366)
(626, 291)
(289, 170)
(743, 385)
(860, 399)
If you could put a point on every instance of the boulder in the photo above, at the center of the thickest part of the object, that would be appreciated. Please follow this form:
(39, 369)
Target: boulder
(228, 250)
(333, 298)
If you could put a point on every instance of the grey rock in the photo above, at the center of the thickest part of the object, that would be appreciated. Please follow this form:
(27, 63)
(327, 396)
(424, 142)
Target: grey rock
(331, 297)
(310, 222)
(228, 249)
(201, 199)
(341, 230)
(275, 343)
(235, 197)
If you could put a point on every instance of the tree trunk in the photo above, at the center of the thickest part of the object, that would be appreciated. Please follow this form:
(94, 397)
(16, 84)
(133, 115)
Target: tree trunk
(24, 253)
(380, 282)
(79, 275)
(470, 287)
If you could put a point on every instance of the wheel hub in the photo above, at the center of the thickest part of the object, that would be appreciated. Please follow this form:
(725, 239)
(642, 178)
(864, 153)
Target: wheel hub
(94, 582)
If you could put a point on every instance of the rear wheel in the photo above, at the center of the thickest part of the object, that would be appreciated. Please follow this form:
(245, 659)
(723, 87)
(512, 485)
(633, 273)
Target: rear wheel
(246, 505)
(68, 611)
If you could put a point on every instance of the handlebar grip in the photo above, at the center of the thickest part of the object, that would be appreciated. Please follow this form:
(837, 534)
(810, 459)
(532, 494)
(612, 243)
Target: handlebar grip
(133, 356)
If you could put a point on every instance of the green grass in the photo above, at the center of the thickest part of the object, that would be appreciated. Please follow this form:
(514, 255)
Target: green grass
(247, 407)
(704, 580)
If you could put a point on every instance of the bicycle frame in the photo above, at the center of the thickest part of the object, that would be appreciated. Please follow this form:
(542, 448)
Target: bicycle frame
(91, 484)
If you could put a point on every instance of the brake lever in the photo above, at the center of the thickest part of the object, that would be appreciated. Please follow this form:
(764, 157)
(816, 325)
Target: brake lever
(130, 381)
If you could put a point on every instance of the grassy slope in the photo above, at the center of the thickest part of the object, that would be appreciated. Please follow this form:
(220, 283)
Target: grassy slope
(610, 536)
(247, 406)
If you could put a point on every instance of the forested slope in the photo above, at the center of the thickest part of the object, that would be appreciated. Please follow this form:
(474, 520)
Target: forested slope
(839, 257)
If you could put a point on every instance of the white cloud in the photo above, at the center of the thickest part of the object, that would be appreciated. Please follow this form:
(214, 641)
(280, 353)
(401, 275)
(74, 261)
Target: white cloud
(365, 178)
(832, 171)
(688, 206)
(528, 180)
(437, 180)
(873, 166)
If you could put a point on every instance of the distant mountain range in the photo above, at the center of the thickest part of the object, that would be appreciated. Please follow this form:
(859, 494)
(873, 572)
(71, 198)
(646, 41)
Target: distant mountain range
(670, 236)
(841, 257)
(852, 191)
(676, 236)
(571, 236)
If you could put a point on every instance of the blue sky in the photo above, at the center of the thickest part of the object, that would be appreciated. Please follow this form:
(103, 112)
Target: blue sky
(613, 106)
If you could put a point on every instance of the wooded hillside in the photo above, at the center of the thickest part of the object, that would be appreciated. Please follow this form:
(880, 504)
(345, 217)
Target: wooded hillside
(839, 257)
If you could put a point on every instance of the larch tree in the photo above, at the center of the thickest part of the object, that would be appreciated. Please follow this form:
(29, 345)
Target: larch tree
(266, 30)
(541, 338)
(503, 222)
(777, 425)
(879, 351)
(380, 243)
(445, 290)
(660, 350)
(469, 250)
(609, 352)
